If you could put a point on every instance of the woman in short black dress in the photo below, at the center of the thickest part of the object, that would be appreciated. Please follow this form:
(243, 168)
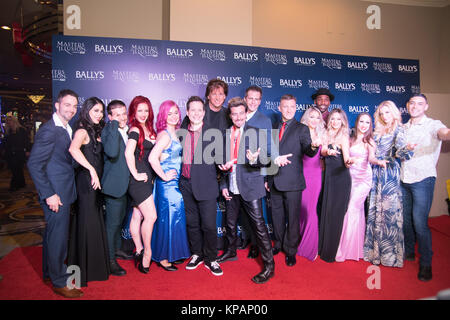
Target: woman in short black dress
(141, 138)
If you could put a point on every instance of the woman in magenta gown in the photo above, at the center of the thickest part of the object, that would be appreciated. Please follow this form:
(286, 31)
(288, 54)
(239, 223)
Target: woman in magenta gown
(309, 225)
(362, 153)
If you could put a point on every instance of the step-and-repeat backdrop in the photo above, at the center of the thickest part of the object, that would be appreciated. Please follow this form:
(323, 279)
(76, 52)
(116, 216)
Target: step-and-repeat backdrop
(116, 68)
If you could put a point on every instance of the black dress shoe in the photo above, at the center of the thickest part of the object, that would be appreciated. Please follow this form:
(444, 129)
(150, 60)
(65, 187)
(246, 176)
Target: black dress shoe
(425, 273)
(227, 256)
(116, 269)
(253, 253)
(290, 261)
(410, 257)
(244, 244)
(124, 255)
(264, 276)
(167, 268)
(275, 251)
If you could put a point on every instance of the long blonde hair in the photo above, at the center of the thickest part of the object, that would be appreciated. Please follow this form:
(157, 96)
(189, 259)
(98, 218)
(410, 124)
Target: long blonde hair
(15, 124)
(320, 128)
(380, 125)
(343, 131)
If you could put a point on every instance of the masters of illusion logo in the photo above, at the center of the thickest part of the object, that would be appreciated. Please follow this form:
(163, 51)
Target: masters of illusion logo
(415, 89)
(276, 58)
(71, 47)
(58, 75)
(213, 55)
(332, 63)
(371, 88)
(231, 80)
(196, 78)
(126, 76)
(262, 82)
(382, 67)
(144, 51)
(316, 84)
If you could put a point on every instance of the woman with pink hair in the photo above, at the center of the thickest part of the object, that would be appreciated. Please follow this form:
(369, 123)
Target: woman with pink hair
(169, 241)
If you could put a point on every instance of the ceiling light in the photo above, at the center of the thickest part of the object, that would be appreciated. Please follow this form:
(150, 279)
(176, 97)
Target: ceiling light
(6, 28)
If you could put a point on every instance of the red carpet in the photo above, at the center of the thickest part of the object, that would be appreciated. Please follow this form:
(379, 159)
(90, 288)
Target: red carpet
(21, 271)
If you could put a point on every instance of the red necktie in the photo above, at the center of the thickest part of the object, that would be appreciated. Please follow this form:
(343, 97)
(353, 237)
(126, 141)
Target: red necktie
(235, 137)
(282, 131)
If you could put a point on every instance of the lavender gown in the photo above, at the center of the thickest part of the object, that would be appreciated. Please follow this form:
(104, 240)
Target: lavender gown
(352, 238)
(309, 226)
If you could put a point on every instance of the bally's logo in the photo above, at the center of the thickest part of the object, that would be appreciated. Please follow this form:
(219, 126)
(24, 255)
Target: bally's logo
(58, 75)
(213, 55)
(161, 77)
(361, 66)
(89, 75)
(245, 57)
(291, 83)
(144, 51)
(231, 81)
(180, 53)
(395, 89)
(382, 67)
(272, 105)
(358, 109)
(71, 47)
(415, 89)
(196, 78)
(125, 76)
(302, 106)
(108, 49)
(344, 86)
(403, 110)
(316, 84)
(276, 58)
(332, 63)
(304, 61)
(407, 68)
(262, 82)
(370, 88)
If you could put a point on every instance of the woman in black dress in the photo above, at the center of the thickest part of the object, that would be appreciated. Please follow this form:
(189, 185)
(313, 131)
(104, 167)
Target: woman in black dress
(141, 139)
(88, 245)
(337, 185)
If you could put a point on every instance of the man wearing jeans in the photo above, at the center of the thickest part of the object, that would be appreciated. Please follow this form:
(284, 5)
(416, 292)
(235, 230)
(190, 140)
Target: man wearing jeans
(418, 176)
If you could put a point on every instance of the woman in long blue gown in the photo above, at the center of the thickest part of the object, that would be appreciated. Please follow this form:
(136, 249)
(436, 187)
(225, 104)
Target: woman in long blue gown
(169, 239)
(384, 240)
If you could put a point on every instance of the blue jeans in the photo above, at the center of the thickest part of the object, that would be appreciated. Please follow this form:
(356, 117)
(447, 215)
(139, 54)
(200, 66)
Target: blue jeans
(417, 200)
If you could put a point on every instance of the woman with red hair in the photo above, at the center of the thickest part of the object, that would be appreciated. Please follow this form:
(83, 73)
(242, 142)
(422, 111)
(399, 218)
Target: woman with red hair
(141, 140)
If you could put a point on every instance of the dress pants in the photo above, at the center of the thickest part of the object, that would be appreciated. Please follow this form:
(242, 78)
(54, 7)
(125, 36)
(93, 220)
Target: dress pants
(253, 209)
(201, 216)
(116, 209)
(55, 243)
(286, 219)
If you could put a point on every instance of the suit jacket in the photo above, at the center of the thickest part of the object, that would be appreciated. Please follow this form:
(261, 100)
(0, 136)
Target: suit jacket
(249, 179)
(261, 121)
(116, 175)
(224, 119)
(51, 165)
(204, 171)
(296, 140)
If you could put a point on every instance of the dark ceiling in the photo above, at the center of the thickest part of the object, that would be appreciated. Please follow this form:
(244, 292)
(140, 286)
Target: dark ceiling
(25, 65)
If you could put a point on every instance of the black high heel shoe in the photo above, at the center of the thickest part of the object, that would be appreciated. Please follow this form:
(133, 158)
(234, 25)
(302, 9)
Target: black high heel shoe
(138, 258)
(168, 268)
(141, 267)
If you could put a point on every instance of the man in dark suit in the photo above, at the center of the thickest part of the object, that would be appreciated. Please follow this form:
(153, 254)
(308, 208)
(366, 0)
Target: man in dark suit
(287, 185)
(199, 186)
(243, 186)
(51, 168)
(115, 178)
(215, 114)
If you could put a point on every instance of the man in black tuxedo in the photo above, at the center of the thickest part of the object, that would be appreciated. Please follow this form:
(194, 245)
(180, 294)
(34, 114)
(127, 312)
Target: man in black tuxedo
(287, 185)
(51, 168)
(115, 179)
(243, 186)
(199, 186)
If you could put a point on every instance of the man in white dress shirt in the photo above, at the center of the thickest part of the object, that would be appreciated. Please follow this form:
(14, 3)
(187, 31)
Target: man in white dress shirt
(418, 176)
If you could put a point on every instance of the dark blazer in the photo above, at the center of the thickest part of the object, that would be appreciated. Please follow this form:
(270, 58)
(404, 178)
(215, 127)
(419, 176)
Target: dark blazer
(51, 165)
(296, 140)
(224, 119)
(204, 171)
(261, 121)
(116, 175)
(249, 179)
